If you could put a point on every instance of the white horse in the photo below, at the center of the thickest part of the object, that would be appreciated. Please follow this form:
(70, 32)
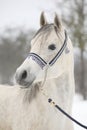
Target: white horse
(46, 73)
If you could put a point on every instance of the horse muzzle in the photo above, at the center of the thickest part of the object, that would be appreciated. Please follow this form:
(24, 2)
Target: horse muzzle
(24, 78)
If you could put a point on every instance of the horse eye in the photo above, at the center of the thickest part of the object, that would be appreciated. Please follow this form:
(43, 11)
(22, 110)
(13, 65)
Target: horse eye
(52, 47)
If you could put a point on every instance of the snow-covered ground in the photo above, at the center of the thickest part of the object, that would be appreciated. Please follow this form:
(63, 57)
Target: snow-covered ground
(80, 111)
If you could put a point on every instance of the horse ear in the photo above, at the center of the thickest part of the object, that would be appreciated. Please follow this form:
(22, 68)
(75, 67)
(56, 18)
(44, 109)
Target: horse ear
(42, 19)
(57, 21)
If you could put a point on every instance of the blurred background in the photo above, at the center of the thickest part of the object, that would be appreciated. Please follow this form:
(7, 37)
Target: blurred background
(19, 20)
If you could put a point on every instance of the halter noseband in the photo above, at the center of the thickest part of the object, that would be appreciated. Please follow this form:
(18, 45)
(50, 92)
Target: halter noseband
(41, 62)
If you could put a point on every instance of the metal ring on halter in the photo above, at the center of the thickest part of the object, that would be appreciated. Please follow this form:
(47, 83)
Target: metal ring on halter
(41, 62)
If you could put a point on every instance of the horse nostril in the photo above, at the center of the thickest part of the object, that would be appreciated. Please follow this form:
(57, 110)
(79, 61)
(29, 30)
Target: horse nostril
(24, 74)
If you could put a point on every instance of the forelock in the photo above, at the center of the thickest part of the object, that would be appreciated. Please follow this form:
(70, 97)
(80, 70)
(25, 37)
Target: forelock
(45, 29)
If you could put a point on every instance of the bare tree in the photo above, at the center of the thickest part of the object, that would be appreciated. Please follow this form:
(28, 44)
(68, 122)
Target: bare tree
(74, 14)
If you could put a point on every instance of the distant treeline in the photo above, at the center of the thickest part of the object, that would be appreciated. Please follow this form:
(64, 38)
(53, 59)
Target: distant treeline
(14, 47)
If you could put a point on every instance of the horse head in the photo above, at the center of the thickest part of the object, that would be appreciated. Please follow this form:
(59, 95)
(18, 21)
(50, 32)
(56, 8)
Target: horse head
(51, 51)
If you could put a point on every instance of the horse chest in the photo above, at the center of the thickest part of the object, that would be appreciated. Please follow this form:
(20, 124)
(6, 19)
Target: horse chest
(39, 115)
(42, 117)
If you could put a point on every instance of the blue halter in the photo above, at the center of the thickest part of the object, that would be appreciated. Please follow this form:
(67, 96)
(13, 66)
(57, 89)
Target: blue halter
(41, 62)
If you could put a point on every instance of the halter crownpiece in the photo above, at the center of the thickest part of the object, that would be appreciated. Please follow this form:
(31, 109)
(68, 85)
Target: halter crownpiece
(41, 62)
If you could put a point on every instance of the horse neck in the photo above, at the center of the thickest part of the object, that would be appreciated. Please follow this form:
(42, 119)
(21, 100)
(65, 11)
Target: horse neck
(59, 85)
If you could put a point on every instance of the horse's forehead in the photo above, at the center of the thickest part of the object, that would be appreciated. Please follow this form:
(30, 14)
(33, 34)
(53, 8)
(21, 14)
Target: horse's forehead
(46, 35)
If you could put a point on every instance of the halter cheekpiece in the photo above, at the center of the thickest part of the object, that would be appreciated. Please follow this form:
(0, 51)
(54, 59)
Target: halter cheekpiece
(41, 62)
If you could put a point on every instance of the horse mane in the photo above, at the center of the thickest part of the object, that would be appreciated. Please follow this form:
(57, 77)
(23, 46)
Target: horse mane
(46, 28)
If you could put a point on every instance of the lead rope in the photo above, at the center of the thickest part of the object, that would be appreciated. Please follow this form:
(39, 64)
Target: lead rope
(66, 114)
(45, 75)
(56, 106)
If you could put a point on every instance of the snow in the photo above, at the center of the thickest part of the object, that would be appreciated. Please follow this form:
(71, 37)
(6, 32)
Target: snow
(80, 111)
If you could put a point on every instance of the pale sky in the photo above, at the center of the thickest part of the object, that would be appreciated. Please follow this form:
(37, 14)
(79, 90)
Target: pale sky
(23, 12)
